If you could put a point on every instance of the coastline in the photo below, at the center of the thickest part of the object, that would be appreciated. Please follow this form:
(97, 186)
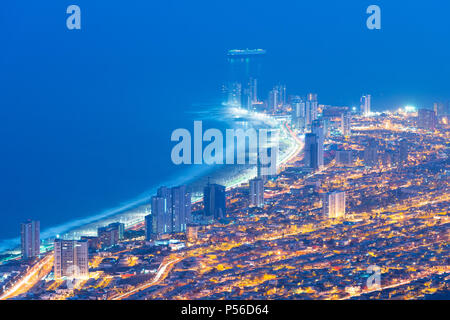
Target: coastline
(134, 211)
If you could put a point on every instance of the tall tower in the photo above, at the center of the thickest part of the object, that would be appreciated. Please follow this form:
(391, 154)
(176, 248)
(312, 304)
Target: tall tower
(257, 193)
(244, 75)
(171, 212)
(181, 208)
(311, 109)
(30, 239)
(318, 130)
(311, 151)
(214, 200)
(298, 112)
(366, 101)
(346, 124)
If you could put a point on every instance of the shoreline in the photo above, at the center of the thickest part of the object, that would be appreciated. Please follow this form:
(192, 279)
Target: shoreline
(134, 212)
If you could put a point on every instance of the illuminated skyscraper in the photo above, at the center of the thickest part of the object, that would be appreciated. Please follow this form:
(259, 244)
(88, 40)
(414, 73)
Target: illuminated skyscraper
(334, 204)
(317, 129)
(171, 212)
(311, 109)
(346, 124)
(257, 193)
(298, 112)
(71, 259)
(214, 200)
(366, 101)
(30, 239)
(181, 208)
(274, 100)
(245, 72)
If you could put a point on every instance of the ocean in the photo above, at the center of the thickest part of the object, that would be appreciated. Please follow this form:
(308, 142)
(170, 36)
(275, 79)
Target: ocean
(137, 180)
(65, 184)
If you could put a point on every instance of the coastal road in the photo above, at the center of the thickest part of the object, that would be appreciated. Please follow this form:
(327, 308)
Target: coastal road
(161, 274)
(36, 273)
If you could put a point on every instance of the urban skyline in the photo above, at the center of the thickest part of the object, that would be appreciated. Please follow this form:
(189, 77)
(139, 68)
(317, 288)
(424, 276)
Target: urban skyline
(178, 222)
(238, 152)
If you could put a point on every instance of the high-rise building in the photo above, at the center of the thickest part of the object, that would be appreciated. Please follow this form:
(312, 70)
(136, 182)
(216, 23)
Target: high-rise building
(317, 129)
(111, 235)
(181, 208)
(30, 239)
(150, 226)
(298, 112)
(366, 102)
(311, 109)
(214, 200)
(311, 151)
(274, 100)
(171, 212)
(158, 221)
(282, 94)
(371, 153)
(71, 259)
(267, 156)
(427, 119)
(257, 193)
(245, 71)
(334, 204)
(346, 124)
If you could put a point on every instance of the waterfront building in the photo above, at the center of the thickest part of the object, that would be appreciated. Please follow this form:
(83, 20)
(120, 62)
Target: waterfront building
(298, 112)
(30, 239)
(214, 200)
(171, 212)
(346, 124)
(366, 105)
